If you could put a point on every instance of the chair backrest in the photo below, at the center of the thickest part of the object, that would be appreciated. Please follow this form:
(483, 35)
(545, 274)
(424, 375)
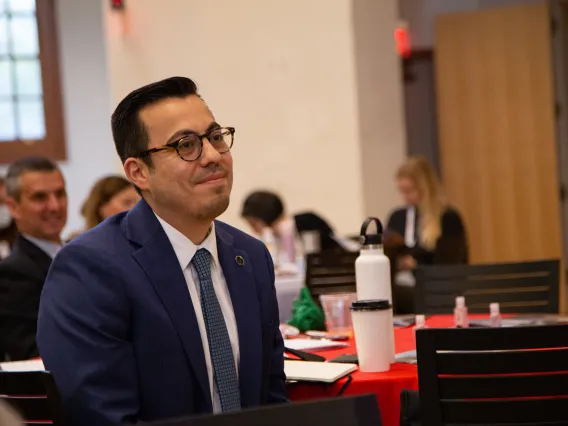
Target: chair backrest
(328, 273)
(34, 395)
(361, 410)
(493, 375)
(527, 287)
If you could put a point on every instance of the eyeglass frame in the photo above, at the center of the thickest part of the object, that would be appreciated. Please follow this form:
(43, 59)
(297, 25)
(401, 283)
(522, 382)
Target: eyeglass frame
(175, 144)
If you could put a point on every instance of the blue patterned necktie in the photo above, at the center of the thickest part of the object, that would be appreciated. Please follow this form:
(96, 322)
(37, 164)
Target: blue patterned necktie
(222, 359)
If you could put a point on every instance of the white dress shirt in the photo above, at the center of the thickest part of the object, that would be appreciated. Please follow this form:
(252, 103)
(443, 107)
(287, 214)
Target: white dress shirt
(406, 278)
(185, 249)
(409, 230)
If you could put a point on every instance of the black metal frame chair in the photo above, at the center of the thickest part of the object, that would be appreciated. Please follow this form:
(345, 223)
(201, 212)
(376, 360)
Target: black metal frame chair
(360, 410)
(330, 272)
(526, 287)
(33, 395)
(497, 376)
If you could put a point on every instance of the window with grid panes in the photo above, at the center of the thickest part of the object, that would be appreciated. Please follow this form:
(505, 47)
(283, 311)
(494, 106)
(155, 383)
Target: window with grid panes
(31, 121)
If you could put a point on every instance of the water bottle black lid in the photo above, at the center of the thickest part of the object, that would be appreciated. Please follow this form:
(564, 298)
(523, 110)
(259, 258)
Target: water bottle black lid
(371, 239)
(370, 305)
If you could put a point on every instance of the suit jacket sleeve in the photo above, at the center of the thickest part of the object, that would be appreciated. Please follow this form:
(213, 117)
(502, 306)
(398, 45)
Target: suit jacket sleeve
(276, 378)
(18, 312)
(83, 338)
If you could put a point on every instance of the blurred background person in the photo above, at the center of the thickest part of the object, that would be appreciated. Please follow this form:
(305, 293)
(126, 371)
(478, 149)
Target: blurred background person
(110, 195)
(264, 211)
(425, 231)
(37, 200)
(8, 230)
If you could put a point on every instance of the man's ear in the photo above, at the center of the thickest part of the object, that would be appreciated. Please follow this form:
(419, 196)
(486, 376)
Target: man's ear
(137, 172)
(14, 207)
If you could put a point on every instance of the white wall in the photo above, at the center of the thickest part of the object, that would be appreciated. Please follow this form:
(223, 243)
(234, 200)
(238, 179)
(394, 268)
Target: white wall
(283, 73)
(86, 100)
(381, 110)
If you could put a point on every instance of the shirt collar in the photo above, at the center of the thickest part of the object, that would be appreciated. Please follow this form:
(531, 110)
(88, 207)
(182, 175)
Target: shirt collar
(185, 249)
(50, 248)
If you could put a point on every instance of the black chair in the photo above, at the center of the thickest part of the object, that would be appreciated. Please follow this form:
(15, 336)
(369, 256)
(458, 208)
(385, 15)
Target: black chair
(497, 376)
(527, 287)
(328, 273)
(34, 395)
(346, 411)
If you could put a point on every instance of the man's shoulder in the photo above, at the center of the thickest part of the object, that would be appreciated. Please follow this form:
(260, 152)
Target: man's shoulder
(16, 261)
(19, 267)
(107, 238)
(19, 256)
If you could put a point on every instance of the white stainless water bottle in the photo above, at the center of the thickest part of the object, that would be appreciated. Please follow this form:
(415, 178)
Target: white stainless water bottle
(372, 269)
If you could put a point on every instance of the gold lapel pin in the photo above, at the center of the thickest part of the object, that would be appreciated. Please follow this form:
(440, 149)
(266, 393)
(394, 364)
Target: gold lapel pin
(240, 261)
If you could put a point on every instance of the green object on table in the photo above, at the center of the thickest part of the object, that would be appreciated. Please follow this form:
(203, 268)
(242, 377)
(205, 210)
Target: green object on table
(306, 314)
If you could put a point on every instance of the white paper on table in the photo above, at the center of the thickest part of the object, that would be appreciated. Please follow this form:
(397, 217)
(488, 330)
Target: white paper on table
(309, 345)
(30, 365)
(408, 357)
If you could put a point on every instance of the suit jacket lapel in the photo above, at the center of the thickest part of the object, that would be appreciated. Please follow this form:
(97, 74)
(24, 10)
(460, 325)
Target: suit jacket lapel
(240, 280)
(157, 258)
(37, 255)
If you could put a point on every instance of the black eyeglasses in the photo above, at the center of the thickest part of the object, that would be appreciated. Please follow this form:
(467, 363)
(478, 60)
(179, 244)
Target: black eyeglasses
(190, 147)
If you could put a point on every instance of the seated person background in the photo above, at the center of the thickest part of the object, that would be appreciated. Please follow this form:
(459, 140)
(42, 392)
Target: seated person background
(109, 196)
(265, 210)
(38, 203)
(426, 231)
(8, 230)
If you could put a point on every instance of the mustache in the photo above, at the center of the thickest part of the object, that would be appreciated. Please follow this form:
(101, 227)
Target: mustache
(211, 170)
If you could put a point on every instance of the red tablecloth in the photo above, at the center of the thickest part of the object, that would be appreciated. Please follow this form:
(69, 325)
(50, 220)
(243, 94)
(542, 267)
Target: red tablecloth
(386, 386)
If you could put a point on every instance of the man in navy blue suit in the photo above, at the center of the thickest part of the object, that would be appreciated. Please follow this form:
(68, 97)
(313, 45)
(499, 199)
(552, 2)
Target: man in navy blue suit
(163, 311)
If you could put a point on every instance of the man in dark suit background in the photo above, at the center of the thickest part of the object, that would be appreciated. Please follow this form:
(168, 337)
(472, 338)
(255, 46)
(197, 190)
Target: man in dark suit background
(37, 201)
(163, 311)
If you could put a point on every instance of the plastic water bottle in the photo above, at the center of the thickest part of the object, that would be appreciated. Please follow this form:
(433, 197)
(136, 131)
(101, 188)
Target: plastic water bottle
(372, 269)
(495, 315)
(420, 322)
(461, 319)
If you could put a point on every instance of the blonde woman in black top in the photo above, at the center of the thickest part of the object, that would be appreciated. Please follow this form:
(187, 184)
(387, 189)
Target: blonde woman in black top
(427, 230)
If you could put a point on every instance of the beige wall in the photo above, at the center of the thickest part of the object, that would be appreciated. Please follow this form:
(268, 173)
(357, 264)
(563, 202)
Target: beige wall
(315, 100)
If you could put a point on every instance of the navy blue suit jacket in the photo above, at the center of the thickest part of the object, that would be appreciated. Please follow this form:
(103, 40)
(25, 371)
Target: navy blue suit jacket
(118, 331)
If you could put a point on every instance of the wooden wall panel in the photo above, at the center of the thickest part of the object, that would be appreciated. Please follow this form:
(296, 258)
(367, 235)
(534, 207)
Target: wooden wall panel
(497, 130)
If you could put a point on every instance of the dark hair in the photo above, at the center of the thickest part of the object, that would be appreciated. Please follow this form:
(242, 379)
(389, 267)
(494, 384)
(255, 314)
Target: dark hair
(101, 193)
(263, 205)
(24, 165)
(130, 135)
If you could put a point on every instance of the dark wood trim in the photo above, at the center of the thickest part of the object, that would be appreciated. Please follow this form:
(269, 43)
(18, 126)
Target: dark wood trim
(53, 146)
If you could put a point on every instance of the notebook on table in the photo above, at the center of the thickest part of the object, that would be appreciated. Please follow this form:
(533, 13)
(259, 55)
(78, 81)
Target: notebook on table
(20, 366)
(324, 372)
